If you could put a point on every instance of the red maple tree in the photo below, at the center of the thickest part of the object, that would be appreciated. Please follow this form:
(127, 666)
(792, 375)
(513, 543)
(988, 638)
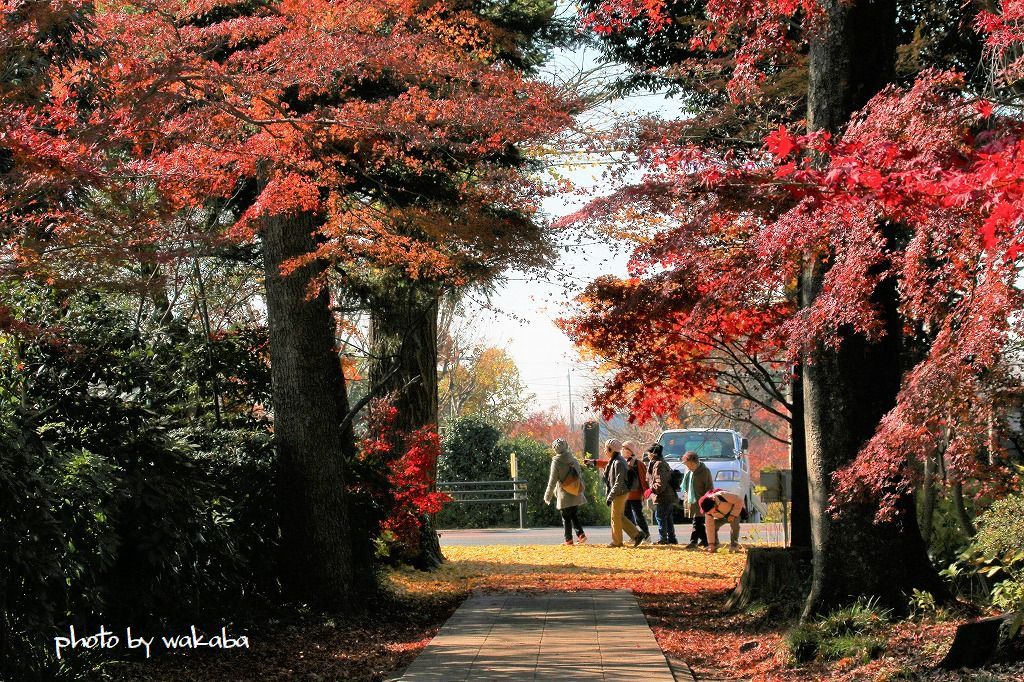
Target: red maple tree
(929, 162)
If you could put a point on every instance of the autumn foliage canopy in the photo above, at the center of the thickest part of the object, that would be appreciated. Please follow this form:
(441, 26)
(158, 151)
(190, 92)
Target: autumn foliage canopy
(165, 124)
(923, 186)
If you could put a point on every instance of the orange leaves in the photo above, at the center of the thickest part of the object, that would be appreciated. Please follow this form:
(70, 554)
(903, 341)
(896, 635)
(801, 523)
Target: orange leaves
(287, 194)
(649, 570)
(394, 120)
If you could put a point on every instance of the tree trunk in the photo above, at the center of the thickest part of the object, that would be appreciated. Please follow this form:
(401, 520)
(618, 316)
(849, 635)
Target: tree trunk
(960, 510)
(852, 57)
(800, 534)
(321, 560)
(771, 575)
(848, 389)
(403, 337)
(928, 499)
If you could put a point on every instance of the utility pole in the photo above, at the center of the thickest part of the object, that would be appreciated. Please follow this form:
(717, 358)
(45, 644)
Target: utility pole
(572, 418)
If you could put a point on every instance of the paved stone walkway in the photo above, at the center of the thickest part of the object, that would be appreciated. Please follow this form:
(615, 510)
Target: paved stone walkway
(589, 635)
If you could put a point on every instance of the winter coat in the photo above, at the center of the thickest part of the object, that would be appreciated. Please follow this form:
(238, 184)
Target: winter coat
(615, 477)
(660, 477)
(636, 491)
(561, 464)
(697, 484)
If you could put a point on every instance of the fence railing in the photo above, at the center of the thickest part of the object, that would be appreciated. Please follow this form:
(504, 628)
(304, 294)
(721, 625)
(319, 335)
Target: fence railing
(488, 492)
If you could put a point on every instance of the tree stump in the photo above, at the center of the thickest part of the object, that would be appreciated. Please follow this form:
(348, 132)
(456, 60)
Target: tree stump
(771, 574)
(980, 642)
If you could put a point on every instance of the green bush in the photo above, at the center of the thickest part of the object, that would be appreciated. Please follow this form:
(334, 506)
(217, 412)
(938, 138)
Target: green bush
(851, 632)
(534, 460)
(991, 568)
(803, 642)
(469, 452)
(122, 497)
(1000, 541)
(862, 648)
(1001, 530)
(862, 616)
(473, 450)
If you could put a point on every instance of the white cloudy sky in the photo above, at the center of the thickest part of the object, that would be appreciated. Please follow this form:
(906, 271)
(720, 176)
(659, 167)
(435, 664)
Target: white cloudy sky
(521, 314)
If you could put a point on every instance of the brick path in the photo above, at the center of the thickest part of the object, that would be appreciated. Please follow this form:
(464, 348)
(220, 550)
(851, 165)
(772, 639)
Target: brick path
(589, 635)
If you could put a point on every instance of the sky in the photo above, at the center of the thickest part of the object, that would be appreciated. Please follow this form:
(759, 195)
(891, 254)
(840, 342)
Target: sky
(521, 314)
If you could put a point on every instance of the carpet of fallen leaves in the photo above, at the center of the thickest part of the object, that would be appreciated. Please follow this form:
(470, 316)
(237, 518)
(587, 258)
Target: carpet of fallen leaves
(681, 592)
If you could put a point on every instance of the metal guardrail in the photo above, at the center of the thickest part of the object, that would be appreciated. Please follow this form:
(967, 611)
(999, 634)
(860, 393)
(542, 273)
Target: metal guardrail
(485, 492)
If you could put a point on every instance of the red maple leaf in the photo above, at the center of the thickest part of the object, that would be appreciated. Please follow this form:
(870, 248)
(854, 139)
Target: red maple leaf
(780, 142)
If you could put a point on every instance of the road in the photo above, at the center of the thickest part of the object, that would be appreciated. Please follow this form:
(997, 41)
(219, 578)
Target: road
(750, 533)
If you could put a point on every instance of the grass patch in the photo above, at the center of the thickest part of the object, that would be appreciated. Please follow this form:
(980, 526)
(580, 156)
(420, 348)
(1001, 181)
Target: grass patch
(803, 643)
(853, 633)
(860, 648)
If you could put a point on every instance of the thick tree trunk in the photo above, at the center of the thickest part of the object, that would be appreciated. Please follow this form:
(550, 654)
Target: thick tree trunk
(852, 57)
(403, 337)
(321, 560)
(800, 519)
(846, 393)
(848, 389)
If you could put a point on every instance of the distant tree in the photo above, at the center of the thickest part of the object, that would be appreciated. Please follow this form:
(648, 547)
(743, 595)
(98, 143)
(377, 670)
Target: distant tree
(484, 383)
(547, 425)
(468, 452)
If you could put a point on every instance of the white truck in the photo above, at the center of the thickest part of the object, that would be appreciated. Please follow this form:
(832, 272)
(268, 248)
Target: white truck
(724, 452)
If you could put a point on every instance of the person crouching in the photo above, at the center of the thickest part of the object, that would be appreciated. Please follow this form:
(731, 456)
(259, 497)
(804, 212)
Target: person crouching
(720, 506)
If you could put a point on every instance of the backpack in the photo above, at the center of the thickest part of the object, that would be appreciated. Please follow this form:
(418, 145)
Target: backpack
(572, 483)
(676, 480)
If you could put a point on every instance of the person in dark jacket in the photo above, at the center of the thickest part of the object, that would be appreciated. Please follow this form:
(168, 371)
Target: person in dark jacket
(697, 482)
(615, 484)
(564, 467)
(638, 484)
(659, 474)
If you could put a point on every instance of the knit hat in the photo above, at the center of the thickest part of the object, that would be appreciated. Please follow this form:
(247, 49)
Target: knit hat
(631, 446)
(613, 444)
(655, 449)
(561, 447)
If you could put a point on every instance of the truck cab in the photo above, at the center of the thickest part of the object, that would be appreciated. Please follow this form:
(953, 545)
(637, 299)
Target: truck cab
(723, 451)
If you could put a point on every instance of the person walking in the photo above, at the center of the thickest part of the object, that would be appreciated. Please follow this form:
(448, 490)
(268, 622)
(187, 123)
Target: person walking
(659, 473)
(721, 506)
(636, 479)
(617, 492)
(697, 482)
(565, 485)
